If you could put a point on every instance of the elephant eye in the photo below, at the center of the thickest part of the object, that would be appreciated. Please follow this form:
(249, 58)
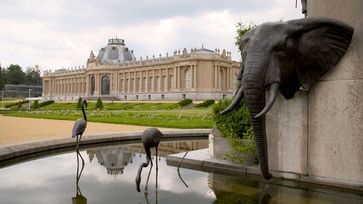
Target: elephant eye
(279, 47)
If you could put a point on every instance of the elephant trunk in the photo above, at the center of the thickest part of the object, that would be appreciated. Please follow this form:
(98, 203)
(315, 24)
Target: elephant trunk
(253, 83)
(255, 102)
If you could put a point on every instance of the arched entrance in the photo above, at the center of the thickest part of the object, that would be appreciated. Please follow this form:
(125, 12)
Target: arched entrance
(105, 85)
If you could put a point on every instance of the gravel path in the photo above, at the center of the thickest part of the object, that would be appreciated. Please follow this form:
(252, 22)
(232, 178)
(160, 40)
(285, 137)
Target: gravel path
(17, 129)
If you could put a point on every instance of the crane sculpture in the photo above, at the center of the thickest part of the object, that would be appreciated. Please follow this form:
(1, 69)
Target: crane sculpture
(79, 127)
(150, 138)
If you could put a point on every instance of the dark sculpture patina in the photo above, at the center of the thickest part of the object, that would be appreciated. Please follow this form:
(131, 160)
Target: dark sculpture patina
(80, 126)
(283, 57)
(150, 138)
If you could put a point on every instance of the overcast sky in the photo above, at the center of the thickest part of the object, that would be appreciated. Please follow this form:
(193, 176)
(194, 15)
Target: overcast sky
(61, 33)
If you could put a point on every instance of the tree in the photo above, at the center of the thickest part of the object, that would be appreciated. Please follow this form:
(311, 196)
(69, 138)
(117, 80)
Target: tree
(32, 76)
(15, 75)
(35, 104)
(241, 30)
(79, 103)
(99, 104)
(2, 78)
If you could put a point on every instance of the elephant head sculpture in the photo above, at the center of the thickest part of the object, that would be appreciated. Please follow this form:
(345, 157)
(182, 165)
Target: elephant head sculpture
(285, 56)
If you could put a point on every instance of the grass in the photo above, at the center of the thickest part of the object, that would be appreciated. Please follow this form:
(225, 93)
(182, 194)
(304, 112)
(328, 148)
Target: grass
(115, 106)
(147, 114)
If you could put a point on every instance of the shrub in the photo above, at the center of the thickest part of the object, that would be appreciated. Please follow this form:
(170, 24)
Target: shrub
(45, 103)
(235, 122)
(79, 103)
(205, 104)
(99, 104)
(185, 102)
(17, 104)
(235, 126)
(35, 105)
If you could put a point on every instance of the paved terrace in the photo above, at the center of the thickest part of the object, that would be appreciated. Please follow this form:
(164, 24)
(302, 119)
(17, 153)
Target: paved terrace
(15, 130)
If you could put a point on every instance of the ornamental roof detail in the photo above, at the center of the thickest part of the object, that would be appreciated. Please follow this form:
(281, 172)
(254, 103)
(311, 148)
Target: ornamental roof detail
(115, 52)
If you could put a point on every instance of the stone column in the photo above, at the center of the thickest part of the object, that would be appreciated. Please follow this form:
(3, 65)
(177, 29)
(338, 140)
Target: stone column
(319, 133)
(175, 78)
(140, 83)
(124, 84)
(335, 104)
(179, 78)
(129, 83)
(228, 78)
(216, 76)
(195, 76)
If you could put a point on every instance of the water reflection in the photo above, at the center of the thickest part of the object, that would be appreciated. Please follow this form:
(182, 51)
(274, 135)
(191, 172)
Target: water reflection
(114, 159)
(79, 198)
(250, 189)
(109, 172)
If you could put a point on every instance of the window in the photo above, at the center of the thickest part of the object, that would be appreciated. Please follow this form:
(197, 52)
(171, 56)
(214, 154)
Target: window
(105, 85)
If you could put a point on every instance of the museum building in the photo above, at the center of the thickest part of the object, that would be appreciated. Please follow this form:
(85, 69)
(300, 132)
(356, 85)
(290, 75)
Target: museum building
(115, 74)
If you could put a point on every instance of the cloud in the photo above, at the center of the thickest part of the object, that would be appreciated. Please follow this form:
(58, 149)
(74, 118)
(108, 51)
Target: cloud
(56, 34)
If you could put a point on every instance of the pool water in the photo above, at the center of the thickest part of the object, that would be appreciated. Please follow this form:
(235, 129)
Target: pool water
(109, 177)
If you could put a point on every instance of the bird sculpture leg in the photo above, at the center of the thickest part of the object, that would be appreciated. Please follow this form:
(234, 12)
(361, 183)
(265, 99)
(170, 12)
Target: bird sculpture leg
(79, 173)
(157, 168)
(148, 176)
(79, 137)
(82, 163)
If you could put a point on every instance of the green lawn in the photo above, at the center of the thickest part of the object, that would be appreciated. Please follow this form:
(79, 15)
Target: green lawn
(147, 114)
(115, 106)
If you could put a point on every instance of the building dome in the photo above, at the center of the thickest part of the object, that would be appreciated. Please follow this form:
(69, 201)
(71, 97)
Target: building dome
(115, 52)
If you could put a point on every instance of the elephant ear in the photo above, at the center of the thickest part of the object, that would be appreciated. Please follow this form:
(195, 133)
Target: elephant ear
(321, 43)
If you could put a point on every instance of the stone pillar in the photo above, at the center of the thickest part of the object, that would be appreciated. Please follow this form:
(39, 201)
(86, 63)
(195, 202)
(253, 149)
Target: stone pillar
(135, 82)
(129, 83)
(335, 106)
(228, 79)
(179, 78)
(319, 133)
(174, 85)
(215, 76)
(124, 84)
(88, 85)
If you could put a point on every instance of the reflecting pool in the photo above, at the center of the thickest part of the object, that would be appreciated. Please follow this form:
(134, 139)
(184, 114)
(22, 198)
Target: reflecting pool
(109, 177)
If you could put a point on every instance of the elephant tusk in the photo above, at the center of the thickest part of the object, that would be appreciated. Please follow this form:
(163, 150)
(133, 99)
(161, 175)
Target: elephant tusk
(274, 88)
(239, 96)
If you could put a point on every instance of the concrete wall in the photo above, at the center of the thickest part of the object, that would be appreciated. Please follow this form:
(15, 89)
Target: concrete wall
(320, 133)
(335, 115)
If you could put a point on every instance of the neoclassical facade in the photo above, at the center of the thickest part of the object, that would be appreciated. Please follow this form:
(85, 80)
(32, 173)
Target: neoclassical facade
(115, 74)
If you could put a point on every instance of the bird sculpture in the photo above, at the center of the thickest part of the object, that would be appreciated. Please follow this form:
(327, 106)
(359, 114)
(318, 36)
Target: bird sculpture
(150, 138)
(80, 126)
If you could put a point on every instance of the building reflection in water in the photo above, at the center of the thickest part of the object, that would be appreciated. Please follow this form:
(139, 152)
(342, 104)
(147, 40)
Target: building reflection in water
(116, 157)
